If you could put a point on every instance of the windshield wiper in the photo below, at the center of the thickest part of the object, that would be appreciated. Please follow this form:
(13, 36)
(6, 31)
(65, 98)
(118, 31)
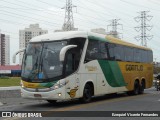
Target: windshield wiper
(42, 69)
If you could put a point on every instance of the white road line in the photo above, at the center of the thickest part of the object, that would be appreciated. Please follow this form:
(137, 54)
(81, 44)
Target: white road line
(10, 88)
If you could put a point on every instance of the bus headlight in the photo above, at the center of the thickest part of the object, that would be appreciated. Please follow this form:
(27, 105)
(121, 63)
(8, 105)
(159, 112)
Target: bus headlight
(60, 84)
(56, 86)
(21, 84)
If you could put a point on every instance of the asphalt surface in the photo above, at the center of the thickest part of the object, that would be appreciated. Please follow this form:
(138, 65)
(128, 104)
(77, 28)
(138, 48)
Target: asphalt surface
(149, 101)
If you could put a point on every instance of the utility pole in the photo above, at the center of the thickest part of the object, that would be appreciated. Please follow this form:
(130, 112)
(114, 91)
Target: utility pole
(143, 17)
(114, 25)
(68, 20)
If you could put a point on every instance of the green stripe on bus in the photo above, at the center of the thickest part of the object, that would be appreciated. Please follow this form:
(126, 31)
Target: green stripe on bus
(48, 84)
(98, 38)
(112, 73)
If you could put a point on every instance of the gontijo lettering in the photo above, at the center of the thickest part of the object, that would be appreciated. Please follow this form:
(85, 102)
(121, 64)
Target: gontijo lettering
(134, 67)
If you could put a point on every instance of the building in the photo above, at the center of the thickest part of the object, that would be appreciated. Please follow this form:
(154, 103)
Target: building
(99, 30)
(27, 34)
(75, 29)
(4, 49)
(10, 70)
(157, 64)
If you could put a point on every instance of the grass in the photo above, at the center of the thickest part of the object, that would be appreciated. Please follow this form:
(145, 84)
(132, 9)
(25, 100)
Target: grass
(10, 81)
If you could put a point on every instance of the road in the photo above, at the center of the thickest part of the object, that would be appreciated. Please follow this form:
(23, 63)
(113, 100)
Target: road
(149, 101)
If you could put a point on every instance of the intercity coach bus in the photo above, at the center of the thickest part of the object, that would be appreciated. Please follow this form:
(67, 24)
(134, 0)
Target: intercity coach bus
(77, 64)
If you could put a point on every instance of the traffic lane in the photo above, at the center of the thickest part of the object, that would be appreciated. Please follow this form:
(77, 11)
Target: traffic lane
(95, 105)
(111, 103)
(101, 103)
(145, 102)
(75, 104)
(69, 105)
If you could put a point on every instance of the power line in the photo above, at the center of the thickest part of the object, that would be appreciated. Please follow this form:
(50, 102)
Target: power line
(111, 9)
(24, 17)
(143, 27)
(139, 5)
(25, 6)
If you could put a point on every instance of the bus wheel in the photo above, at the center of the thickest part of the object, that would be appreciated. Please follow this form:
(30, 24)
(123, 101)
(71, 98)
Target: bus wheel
(141, 88)
(136, 88)
(52, 101)
(87, 94)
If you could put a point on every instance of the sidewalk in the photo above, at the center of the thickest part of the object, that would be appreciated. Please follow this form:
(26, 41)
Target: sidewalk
(10, 88)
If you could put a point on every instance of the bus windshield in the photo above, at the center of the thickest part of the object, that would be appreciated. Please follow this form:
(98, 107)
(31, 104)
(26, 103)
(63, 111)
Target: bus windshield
(41, 61)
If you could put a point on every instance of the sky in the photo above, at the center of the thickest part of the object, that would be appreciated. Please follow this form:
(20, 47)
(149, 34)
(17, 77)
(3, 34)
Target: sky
(17, 15)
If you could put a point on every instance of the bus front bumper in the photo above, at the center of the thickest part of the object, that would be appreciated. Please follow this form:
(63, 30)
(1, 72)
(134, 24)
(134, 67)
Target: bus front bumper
(58, 94)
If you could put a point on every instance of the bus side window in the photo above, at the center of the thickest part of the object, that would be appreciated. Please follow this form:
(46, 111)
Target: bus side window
(150, 56)
(144, 57)
(119, 53)
(92, 51)
(137, 57)
(103, 50)
(111, 48)
(128, 54)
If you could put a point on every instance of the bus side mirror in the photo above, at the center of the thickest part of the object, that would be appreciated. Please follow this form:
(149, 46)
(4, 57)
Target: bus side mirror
(14, 56)
(64, 50)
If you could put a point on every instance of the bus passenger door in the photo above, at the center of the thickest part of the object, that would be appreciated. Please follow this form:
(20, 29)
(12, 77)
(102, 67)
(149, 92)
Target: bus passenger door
(72, 88)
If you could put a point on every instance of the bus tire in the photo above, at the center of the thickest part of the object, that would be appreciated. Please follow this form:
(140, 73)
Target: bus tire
(52, 101)
(136, 88)
(87, 94)
(141, 88)
(135, 91)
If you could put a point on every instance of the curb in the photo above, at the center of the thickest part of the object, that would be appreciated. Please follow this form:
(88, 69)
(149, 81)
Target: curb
(10, 88)
(9, 92)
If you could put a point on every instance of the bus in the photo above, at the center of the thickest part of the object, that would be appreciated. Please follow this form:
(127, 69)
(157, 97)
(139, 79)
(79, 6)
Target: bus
(80, 65)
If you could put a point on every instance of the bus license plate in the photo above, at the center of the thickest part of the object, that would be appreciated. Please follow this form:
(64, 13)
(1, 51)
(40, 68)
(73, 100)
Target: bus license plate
(37, 95)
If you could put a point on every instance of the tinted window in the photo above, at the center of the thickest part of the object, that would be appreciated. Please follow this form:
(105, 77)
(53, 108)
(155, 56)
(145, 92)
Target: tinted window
(144, 56)
(103, 50)
(137, 55)
(150, 56)
(111, 48)
(96, 50)
(92, 50)
(119, 52)
(128, 53)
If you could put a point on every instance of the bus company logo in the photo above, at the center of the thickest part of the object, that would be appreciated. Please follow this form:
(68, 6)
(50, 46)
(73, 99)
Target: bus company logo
(6, 114)
(72, 93)
(134, 67)
(91, 68)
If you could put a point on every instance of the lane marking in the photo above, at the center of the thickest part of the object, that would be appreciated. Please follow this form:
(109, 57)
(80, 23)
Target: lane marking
(93, 104)
(87, 105)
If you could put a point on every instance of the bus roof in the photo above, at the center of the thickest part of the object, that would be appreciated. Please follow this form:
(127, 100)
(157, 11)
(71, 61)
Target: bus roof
(59, 36)
(72, 34)
(122, 42)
